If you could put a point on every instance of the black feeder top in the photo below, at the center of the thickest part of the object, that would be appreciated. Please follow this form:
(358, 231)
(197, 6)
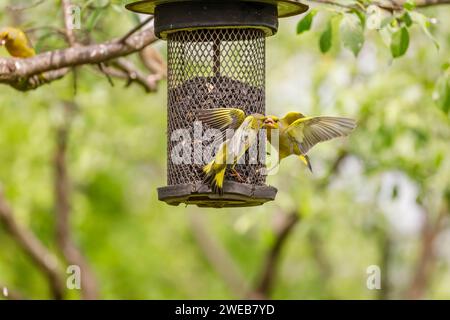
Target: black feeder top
(216, 58)
(286, 8)
(176, 15)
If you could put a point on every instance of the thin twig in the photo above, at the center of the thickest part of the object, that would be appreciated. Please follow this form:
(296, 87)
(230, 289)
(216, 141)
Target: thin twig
(32, 246)
(135, 29)
(103, 69)
(18, 72)
(154, 63)
(427, 257)
(70, 36)
(218, 257)
(66, 5)
(269, 268)
(9, 294)
(390, 6)
(62, 208)
(135, 75)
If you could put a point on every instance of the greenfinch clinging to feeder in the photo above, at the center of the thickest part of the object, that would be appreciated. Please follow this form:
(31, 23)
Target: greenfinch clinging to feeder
(16, 42)
(298, 133)
(230, 151)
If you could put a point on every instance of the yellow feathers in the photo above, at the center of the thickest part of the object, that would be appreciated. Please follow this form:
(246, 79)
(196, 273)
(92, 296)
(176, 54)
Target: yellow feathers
(16, 42)
(297, 135)
(234, 148)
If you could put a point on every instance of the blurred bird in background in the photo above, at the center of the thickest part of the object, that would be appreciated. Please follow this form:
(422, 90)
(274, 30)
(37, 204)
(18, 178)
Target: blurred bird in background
(16, 42)
(298, 133)
(230, 151)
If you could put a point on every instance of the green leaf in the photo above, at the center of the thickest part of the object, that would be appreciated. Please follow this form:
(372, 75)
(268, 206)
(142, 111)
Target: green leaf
(400, 42)
(409, 5)
(305, 24)
(352, 33)
(424, 23)
(406, 18)
(326, 38)
(361, 16)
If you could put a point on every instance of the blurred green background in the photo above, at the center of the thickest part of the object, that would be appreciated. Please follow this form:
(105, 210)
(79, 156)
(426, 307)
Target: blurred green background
(373, 199)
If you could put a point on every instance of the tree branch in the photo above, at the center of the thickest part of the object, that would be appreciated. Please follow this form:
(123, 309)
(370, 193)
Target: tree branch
(18, 72)
(135, 29)
(9, 294)
(67, 23)
(62, 209)
(133, 74)
(391, 5)
(427, 257)
(31, 245)
(269, 268)
(218, 257)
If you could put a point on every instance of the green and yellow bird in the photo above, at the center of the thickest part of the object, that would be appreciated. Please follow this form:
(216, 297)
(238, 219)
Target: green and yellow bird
(16, 42)
(232, 149)
(299, 133)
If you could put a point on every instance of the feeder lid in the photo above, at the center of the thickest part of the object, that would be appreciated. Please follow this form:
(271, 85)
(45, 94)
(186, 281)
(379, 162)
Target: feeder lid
(286, 8)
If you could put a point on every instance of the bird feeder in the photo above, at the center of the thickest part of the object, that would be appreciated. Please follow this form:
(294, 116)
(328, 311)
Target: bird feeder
(216, 59)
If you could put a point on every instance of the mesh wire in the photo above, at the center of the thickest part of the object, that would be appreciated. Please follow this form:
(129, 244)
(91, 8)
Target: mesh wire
(213, 68)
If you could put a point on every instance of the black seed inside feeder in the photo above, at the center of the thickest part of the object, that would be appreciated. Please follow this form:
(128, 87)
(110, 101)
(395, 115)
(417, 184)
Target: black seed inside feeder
(216, 58)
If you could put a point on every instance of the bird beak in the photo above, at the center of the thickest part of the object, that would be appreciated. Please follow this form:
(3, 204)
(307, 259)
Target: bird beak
(2, 42)
(269, 123)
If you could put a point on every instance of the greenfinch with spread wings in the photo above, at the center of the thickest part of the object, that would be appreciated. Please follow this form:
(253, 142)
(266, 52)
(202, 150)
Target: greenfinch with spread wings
(299, 133)
(16, 42)
(232, 149)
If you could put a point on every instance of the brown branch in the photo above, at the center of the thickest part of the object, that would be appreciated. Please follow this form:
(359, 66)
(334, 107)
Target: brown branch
(33, 247)
(386, 245)
(385, 5)
(269, 268)
(427, 3)
(64, 240)
(135, 29)
(127, 71)
(334, 169)
(17, 72)
(218, 257)
(320, 258)
(153, 61)
(133, 74)
(67, 23)
(10, 294)
(427, 257)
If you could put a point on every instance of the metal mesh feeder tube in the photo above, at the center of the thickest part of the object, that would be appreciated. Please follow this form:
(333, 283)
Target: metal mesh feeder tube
(216, 59)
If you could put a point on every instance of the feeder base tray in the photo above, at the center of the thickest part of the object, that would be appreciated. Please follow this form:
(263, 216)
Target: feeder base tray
(234, 195)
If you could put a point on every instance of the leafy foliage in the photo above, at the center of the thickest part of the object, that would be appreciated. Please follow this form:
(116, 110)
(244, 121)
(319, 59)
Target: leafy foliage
(305, 24)
(359, 16)
(326, 39)
(368, 208)
(400, 42)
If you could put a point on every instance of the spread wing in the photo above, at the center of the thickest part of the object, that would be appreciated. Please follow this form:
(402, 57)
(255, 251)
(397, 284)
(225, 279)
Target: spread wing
(307, 132)
(243, 138)
(222, 118)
